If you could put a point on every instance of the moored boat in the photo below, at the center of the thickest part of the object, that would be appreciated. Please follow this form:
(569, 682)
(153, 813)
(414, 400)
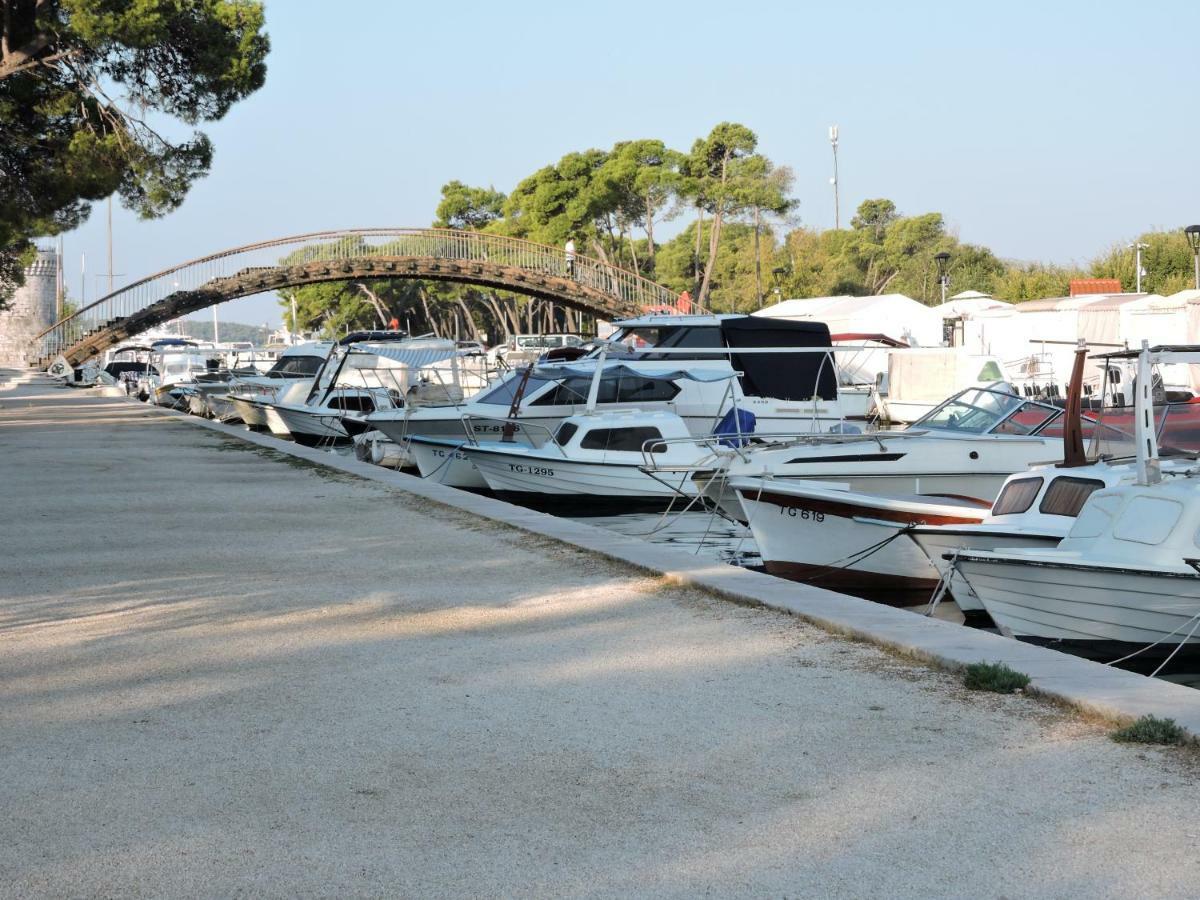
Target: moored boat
(595, 462)
(831, 536)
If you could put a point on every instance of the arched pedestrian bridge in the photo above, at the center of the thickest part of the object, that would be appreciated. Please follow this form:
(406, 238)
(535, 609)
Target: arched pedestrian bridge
(468, 257)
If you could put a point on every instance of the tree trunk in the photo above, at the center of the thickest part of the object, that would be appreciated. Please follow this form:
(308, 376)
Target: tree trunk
(431, 324)
(380, 310)
(696, 252)
(472, 328)
(757, 258)
(714, 238)
(649, 235)
(498, 316)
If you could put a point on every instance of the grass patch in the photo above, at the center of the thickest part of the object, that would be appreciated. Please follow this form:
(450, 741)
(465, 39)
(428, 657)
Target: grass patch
(995, 677)
(1150, 730)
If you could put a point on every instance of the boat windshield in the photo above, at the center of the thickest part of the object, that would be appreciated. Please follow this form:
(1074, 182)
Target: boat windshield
(1177, 426)
(503, 393)
(677, 337)
(297, 365)
(987, 410)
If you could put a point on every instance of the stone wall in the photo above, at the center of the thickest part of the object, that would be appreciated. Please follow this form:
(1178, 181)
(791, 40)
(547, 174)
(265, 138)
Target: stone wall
(31, 311)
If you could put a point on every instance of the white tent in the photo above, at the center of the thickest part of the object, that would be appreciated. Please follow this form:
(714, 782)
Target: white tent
(1107, 322)
(895, 315)
(969, 303)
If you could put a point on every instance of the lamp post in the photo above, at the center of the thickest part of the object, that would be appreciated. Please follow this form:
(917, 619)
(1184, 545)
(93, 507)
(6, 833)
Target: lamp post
(941, 260)
(777, 273)
(1137, 247)
(833, 142)
(1193, 236)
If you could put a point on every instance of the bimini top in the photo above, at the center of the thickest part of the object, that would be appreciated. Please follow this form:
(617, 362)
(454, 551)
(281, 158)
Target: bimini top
(416, 354)
(802, 375)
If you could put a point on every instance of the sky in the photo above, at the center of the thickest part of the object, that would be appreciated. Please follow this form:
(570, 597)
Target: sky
(1045, 131)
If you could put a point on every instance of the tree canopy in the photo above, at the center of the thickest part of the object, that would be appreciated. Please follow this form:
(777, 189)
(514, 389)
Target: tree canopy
(92, 95)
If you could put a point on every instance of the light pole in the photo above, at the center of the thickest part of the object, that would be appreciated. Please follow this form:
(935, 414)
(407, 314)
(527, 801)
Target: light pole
(776, 273)
(1193, 236)
(940, 260)
(1137, 248)
(837, 210)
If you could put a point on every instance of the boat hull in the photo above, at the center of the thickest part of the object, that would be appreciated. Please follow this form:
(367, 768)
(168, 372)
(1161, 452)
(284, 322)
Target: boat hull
(443, 461)
(844, 545)
(1099, 612)
(937, 543)
(578, 487)
(308, 425)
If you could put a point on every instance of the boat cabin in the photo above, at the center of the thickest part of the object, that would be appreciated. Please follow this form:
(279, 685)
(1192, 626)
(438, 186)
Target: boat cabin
(1140, 525)
(631, 433)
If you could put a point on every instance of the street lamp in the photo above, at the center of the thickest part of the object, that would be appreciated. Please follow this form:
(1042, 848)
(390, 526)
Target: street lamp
(1137, 248)
(1193, 236)
(941, 260)
(777, 273)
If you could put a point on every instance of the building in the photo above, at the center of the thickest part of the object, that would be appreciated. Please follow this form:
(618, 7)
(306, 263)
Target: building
(33, 309)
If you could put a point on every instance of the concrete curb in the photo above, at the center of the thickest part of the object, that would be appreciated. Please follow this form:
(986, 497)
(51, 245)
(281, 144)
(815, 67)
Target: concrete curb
(1089, 687)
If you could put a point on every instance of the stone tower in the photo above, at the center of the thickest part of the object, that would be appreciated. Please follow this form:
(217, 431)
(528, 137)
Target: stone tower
(33, 309)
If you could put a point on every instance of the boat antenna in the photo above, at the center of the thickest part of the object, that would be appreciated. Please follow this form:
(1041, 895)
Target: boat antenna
(1148, 470)
(1073, 452)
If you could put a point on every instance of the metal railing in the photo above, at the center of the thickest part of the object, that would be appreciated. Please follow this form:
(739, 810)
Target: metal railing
(622, 287)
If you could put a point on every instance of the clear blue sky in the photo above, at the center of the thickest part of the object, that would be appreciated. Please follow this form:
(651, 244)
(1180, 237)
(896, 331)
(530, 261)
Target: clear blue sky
(1045, 130)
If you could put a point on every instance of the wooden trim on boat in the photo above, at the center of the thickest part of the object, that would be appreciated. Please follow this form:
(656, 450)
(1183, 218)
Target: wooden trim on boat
(854, 510)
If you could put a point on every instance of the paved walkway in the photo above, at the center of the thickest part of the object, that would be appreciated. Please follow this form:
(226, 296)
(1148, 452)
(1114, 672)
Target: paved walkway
(224, 671)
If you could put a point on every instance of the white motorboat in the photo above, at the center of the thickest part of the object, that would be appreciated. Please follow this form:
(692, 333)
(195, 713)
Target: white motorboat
(358, 379)
(1123, 585)
(293, 372)
(850, 541)
(784, 378)
(1124, 579)
(594, 462)
(171, 368)
(967, 447)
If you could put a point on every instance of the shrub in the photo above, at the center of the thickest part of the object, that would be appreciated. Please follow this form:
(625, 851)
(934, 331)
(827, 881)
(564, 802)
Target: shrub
(995, 677)
(1150, 730)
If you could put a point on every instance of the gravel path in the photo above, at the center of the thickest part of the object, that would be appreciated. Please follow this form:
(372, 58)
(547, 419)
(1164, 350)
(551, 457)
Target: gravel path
(227, 673)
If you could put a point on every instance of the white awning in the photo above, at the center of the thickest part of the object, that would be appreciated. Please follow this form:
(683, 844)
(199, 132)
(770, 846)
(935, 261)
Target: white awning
(415, 355)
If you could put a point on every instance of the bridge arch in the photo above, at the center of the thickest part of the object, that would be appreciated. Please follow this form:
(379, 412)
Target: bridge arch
(468, 257)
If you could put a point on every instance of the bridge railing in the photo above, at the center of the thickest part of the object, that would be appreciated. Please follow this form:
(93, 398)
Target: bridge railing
(622, 286)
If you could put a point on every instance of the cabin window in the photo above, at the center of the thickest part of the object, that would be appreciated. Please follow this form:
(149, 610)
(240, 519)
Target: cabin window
(1148, 520)
(1066, 495)
(574, 391)
(298, 365)
(1018, 495)
(352, 403)
(622, 439)
(1095, 517)
(565, 432)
